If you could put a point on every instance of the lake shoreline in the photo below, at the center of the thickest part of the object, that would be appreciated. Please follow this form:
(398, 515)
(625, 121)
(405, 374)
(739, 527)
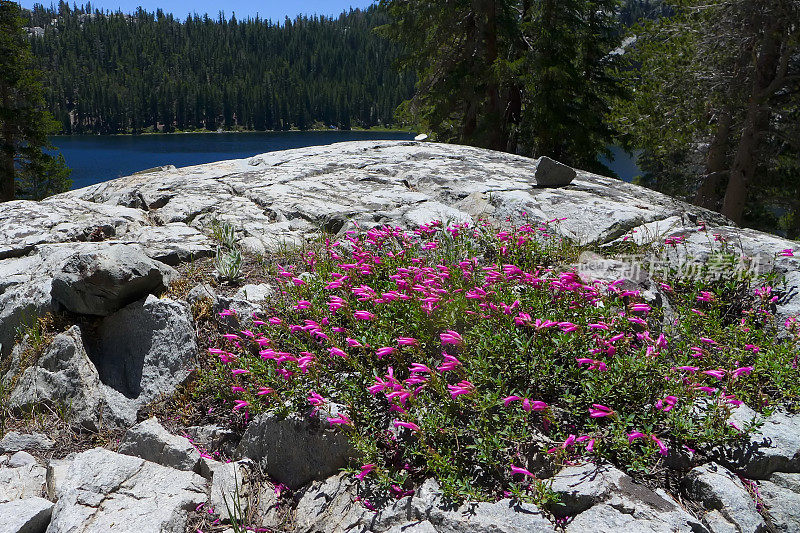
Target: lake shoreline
(227, 132)
(97, 158)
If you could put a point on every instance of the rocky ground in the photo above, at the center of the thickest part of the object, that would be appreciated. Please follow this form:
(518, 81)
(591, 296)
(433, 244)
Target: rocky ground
(106, 261)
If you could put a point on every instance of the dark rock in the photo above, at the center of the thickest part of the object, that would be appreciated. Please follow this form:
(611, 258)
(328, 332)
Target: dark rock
(143, 352)
(551, 173)
(773, 447)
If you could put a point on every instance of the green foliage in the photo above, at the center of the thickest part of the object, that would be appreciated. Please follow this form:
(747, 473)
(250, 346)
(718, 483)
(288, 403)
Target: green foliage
(228, 263)
(120, 73)
(424, 348)
(24, 121)
(529, 77)
(44, 176)
(715, 107)
(224, 233)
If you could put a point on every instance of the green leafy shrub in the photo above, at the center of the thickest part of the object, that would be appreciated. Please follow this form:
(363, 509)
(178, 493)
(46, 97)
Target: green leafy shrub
(470, 355)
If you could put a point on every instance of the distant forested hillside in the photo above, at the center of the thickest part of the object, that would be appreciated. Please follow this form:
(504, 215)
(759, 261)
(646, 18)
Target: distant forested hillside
(115, 73)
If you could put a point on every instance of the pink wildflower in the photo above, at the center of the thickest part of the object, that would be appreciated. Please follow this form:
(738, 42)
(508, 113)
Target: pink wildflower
(365, 469)
(522, 471)
(451, 337)
(420, 368)
(662, 449)
(599, 411)
(667, 404)
(719, 374)
(337, 352)
(342, 419)
(635, 435)
(463, 387)
(744, 370)
(386, 350)
(315, 399)
(408, 425)
(450, 363)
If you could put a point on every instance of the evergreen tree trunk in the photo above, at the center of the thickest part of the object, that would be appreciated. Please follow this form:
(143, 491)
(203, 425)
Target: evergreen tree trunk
(716, 164)
(470, 121)
(495, 139)
(768, 77)
(7, 150)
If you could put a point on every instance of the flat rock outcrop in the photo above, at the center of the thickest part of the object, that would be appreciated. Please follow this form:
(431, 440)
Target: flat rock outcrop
(102, 256)
(100, 491)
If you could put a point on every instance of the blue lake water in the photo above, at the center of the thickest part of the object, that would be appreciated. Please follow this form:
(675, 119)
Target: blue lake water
(623, 163)
(94, 159)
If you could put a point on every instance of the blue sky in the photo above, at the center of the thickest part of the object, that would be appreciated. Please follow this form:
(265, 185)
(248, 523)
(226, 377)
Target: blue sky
(266, 9)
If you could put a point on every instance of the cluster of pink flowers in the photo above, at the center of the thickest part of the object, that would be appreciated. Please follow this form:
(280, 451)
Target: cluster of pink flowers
(346, 322)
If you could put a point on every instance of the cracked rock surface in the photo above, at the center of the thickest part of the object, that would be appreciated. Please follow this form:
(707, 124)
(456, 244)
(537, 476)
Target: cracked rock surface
(101, 491)
(104, 253)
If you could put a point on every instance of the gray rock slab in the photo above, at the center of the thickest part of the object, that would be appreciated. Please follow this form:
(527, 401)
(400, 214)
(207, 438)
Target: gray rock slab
(100, 491)
(21, 482)
(214, 439)
(21, 459)
(329, 506)
(606, 518)
(151, 442)
(295, 450)
(13, 441)
(716, 522)
(503, 516)
(781, 496)
(143, 352)
(773, 447)
(413, 527)
(25, 224)
(269, 511)
(172, 243)
(31, 515)
(231, 489)
(64, 377)
(103, 281)
(588, 490)
(719, 489)
(284, 196)
(255, 293)
(19, 305)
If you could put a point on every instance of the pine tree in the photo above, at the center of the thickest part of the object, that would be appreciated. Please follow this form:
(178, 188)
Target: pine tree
(528, 76)
(24, 122)
(717, 97)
